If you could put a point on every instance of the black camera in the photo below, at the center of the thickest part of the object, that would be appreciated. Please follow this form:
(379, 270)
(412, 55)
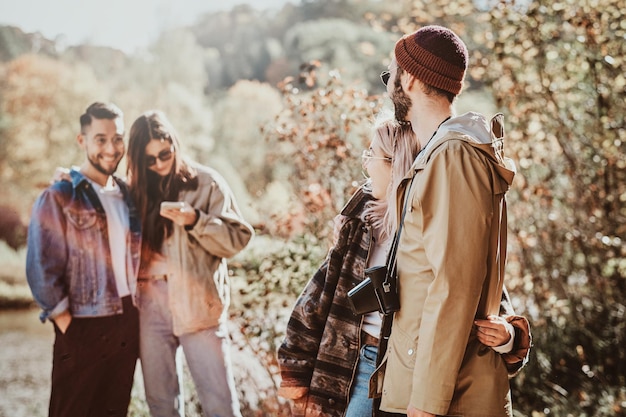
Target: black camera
(385, 287)
(362, 298)
(377, 291)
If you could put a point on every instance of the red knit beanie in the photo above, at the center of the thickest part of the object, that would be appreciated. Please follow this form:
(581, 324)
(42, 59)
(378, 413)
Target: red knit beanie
(434, 55)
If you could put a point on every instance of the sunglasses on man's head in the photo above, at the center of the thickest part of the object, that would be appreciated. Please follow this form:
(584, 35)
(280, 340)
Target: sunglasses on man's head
(384, 77)
(164, 155)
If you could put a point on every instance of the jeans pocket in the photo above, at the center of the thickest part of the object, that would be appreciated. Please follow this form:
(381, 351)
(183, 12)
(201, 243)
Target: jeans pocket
(369, 354)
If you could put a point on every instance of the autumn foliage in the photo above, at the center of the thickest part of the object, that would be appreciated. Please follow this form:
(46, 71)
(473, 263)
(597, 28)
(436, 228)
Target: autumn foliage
(291, 151)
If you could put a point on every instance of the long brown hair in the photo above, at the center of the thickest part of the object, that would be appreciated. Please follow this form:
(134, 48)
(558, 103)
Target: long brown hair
(148, 188)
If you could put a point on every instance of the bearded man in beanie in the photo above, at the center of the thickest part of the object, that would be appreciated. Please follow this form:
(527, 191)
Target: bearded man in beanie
(452, 243)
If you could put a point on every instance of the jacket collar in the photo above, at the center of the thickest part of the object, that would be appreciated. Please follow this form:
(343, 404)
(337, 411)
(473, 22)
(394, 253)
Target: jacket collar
(79, 179)
(355, 206)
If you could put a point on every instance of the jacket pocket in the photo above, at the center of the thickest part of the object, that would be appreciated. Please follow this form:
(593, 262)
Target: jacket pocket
(81, 219)
(85, 250)
(403, 349)
(398, 380)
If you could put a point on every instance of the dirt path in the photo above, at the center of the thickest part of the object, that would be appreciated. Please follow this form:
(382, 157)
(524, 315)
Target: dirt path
(25, 364)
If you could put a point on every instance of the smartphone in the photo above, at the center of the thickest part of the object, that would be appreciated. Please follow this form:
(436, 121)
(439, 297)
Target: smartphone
(173, 205)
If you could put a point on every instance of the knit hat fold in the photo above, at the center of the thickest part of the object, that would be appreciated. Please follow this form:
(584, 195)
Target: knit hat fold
(434, 55)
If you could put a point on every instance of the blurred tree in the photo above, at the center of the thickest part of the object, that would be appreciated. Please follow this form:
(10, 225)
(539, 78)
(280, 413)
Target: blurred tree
(238, 116)
(558, 68)
(321, 9)
(178, 58)
(239, 40)
(358, 51)
(174, 61)
(171, 77)
(248, 44)
(12, 228)
(40, 102)
(318, 139)
(105, 62)
(14, 42)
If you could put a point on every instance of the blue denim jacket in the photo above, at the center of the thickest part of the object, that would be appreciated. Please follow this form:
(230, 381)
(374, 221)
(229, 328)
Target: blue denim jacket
(68, 261)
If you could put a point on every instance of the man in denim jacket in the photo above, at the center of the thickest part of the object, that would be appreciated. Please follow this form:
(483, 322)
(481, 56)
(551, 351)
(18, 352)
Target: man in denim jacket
(82, 260)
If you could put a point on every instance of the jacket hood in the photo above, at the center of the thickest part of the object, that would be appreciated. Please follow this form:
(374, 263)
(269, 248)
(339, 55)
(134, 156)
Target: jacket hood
(476, 130)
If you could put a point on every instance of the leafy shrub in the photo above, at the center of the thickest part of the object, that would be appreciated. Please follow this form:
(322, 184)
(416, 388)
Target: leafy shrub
(558, 71)
(266, 279)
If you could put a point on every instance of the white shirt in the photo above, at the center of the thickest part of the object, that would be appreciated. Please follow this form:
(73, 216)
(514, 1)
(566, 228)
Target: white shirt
(372, 322)
(118, 225)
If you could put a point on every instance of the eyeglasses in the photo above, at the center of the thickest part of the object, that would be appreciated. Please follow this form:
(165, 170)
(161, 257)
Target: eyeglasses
(384, 77)
(163, 156)
(369, 154)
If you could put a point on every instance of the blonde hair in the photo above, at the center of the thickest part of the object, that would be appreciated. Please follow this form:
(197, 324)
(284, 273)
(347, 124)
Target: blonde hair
(399, 143)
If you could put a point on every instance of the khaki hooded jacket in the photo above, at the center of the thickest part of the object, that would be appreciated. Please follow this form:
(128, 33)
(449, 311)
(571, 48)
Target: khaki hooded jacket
(199, 287)
(450, 272)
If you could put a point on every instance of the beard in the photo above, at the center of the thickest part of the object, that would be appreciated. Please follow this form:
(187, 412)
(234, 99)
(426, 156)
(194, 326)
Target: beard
(401, 102)
(94, 163)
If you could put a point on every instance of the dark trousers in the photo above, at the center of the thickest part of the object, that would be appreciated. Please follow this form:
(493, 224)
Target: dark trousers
(93, 365)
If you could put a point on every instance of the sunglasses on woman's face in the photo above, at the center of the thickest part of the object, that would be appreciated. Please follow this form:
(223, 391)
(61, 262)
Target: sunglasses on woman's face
(163, 156)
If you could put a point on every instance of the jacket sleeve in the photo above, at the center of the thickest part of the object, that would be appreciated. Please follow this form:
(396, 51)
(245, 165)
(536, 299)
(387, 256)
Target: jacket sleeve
(298, 352)
(517, 358)
(456, 208)
(220, 228)
(46, 256)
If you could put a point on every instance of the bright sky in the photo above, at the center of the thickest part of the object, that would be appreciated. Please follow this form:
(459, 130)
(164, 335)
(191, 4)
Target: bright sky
(124, 24)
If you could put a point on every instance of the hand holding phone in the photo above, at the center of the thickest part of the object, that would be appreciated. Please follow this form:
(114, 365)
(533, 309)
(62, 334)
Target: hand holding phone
(180, 212)
(172, 205)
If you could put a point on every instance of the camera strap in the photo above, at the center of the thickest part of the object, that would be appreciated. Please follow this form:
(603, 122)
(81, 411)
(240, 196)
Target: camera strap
(391, 277)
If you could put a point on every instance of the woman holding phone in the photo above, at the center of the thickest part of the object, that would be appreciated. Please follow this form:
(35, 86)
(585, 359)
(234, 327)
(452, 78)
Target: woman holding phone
(191, 224)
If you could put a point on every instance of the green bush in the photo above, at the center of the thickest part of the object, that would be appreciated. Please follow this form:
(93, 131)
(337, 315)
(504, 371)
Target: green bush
(266, 279)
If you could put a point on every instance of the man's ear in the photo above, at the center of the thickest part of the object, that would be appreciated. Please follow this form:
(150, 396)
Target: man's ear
(410, 80)
(80, 138)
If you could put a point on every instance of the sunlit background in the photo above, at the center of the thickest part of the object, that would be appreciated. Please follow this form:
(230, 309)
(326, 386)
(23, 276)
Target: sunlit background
(123, 24)
(279, 96)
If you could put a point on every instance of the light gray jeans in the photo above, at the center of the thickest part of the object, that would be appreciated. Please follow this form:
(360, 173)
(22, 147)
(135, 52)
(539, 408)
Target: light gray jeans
(207, 353)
